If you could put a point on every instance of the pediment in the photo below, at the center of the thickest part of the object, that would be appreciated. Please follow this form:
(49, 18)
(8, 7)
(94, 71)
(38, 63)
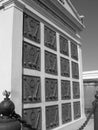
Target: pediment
(70, 8)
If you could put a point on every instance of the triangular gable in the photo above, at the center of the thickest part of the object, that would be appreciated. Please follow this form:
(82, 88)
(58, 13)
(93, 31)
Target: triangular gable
(68, 5)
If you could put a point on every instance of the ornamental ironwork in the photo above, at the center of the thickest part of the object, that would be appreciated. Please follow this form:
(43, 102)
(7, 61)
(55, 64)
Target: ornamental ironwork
(75, 70)
(65, 89)
(50, 38)
(65, 68)
(33, 116)
(31, 89)
(52, 117)
(50, 63)
(64, 46)
(31, 57)
(77, 111)
(66, 113)
(31, 28)
(74, 51)
(76, 90)
(51, 89)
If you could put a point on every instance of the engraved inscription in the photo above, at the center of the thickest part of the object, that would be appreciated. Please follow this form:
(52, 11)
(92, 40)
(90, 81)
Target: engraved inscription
(31, 89)
(65, 89)
(50, 38)
(76, 90)
(64, 46)
(50, 63)
(31, 28)
(51, 89)
(31, 56)
(66, 113)
(74, 51)
(52, 117)
(33, 117)
(75, 70)
(65, 69)
(77, 111)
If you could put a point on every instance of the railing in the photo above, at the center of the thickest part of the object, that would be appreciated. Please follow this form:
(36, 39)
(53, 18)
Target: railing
(94, 111)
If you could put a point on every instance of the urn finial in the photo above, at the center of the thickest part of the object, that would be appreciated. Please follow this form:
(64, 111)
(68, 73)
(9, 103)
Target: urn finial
(7, 107)
(6, 94)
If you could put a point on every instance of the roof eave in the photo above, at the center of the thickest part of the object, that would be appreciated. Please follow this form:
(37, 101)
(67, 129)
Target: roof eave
(62, 12)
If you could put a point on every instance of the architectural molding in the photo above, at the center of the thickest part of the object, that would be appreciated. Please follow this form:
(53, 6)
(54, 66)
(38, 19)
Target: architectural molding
(76, 15)
(32, 8)
(15, 3)
(90, 75)
(60, 11)
(75, 11)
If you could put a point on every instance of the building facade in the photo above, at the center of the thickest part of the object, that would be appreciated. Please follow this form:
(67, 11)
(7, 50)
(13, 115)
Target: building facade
(90, 81)
(41, 64)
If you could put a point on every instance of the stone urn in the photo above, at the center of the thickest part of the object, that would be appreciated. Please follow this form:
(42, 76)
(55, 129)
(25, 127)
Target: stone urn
(7, 107)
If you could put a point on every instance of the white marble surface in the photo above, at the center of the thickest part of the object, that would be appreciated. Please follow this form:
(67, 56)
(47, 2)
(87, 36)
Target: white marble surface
(90, 125)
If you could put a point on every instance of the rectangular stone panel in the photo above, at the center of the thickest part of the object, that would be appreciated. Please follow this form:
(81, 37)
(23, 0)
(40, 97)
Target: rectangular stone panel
(31, 56)
(65, 89)
(66, 113)
(51, 89)
(33, 116)
(31, 28)
(75, 70)
(52, 117)
(65, 68)
(50, 63)
(74, 51)
(76, 90)
(50, 38)
(77, 111)
(64, 46)
(31, 89)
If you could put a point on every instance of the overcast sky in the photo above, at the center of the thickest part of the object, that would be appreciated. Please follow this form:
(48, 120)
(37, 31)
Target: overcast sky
(89, 8)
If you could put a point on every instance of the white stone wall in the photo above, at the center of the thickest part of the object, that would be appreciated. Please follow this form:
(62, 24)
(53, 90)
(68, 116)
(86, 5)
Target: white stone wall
(6, 31)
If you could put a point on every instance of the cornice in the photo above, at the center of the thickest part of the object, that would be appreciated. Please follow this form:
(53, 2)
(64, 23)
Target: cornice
(59, 12)
(74, 10)
(33, 6)
(16, 3)
(90, 75)
(63, 14)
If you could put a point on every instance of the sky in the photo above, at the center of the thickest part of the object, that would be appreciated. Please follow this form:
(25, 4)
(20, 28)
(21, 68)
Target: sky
(89, 8)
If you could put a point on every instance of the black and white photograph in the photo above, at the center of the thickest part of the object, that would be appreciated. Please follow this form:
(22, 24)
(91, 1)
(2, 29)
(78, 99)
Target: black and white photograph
(48, 65)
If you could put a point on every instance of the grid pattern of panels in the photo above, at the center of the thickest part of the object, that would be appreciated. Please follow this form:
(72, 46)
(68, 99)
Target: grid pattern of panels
(51, 90)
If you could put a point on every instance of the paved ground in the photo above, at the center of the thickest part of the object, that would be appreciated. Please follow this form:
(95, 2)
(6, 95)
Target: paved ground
(90, 125)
